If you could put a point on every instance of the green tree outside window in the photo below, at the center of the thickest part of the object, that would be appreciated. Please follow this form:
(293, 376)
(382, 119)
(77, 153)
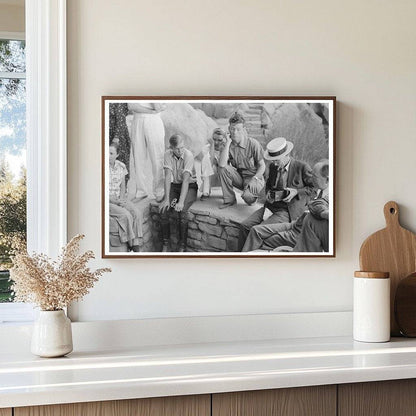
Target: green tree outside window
(12, 146)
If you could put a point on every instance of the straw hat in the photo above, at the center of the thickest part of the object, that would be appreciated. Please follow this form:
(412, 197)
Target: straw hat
(277, 148)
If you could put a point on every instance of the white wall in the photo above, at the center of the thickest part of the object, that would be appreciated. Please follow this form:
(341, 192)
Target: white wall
(361, 51)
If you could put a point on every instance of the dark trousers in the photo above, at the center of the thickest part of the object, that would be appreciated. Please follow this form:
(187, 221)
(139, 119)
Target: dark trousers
(180, 217)
(314, 235)
(270, 236)
(281, 215)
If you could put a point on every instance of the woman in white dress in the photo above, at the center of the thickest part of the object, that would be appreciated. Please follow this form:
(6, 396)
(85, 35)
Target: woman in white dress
(147, 134)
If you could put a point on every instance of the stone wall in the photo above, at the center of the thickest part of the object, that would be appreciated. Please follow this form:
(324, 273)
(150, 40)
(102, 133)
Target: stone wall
(206, 231)
(210, 228)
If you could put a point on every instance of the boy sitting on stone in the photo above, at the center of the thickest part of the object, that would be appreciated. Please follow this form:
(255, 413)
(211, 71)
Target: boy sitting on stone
(180, 190)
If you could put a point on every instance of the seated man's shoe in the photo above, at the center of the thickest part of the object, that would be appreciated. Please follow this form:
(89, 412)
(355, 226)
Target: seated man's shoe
(227, 204)
(204, 197)
(248, 197)
(181, 249)
(283, 249)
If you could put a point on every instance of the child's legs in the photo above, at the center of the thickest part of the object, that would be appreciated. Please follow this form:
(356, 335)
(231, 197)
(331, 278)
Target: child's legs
(138, 219)
(164, 216)
(125, 222)
(206, 166)
(206, 185)
(204, 170)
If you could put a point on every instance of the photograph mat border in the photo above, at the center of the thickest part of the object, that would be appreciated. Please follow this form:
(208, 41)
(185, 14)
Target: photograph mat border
(330, 100)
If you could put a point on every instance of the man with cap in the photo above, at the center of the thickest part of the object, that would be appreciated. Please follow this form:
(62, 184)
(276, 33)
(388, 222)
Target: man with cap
(240, 164)
(289, 188)
(272, 236)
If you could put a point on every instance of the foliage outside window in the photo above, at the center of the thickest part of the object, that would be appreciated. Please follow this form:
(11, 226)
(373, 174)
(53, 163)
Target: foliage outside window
(12, 156)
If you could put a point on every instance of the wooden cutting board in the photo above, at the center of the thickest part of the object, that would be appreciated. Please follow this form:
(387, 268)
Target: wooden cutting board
(405, 306)
(393, 250)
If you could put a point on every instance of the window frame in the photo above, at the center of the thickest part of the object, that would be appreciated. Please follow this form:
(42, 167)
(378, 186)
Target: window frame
(46, 135)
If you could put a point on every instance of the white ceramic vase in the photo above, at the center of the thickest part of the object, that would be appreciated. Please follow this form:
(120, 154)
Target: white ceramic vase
(52, 334)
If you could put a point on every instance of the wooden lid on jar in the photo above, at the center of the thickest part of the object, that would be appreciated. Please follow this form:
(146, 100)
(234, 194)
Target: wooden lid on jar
(372, 275)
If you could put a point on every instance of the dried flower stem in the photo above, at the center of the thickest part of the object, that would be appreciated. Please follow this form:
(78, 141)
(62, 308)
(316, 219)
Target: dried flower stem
(53, 285)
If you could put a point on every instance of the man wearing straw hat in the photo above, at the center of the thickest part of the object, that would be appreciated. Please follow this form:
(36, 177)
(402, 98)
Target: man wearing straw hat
(308, 233)
(289, 188)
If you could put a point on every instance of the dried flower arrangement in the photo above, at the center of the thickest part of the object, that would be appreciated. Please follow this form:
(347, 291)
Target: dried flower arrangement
(53, 285)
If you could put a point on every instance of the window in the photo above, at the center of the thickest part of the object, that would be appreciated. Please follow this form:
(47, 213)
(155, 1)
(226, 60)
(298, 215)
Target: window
(12, 153)
(45, 27)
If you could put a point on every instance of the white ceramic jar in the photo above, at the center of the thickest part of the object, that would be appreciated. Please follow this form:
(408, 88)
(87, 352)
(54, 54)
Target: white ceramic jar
(52, 334)
(371, 305)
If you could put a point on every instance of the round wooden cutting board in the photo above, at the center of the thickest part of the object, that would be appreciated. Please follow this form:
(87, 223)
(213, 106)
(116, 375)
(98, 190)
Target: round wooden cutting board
(393, 250)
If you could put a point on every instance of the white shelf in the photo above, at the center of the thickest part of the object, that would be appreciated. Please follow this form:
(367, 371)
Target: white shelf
(150, 371)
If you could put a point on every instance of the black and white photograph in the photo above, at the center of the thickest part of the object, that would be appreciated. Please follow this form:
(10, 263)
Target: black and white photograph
(218, 176)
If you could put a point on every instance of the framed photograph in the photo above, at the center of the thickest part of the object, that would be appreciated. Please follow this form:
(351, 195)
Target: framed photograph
(218, 176)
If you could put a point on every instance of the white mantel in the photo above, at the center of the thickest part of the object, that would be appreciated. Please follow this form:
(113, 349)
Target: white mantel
(154, 371)
(180, 356)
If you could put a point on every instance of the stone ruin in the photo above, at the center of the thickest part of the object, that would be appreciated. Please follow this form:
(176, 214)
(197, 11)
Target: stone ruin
(210, 229)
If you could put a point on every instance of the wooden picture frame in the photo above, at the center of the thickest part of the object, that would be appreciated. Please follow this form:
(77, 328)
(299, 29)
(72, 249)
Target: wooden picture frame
(139, 162)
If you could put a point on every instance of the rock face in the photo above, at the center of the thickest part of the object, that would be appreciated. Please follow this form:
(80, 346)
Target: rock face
(302, 126)
(306, 125)
(193, 124)
(221, 110)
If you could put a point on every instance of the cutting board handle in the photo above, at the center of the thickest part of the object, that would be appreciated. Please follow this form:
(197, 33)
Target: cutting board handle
(391, 214)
